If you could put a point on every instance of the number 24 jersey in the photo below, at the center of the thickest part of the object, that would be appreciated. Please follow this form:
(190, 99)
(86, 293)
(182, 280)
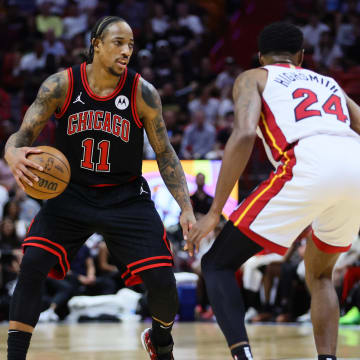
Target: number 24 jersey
(298, 103)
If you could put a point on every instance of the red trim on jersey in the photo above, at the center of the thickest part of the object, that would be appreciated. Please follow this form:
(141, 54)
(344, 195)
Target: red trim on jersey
(146, 267)
(103, 185)
(266, 244)
(52, 243)
(133, 102)
(276, 132)
(148, 259)
(44, 247)
(68, 94)
(330, 249)
(251, 207)
(133, 280)
(28, 230)
(118, 88)
(125, 273)
(289, 66)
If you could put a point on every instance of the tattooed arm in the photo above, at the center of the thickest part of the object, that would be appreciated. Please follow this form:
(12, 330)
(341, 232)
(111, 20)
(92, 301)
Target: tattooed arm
(50, 97)
(150, 111)
(247, 92)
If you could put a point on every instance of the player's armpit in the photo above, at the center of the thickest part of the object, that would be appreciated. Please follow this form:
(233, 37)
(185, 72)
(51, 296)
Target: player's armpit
(50, 97)
(354, 111)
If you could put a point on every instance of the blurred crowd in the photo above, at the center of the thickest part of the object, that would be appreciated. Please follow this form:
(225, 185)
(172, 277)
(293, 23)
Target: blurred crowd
(174, 43)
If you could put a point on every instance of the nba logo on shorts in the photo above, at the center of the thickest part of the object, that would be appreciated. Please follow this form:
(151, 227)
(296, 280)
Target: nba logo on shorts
(121, 102)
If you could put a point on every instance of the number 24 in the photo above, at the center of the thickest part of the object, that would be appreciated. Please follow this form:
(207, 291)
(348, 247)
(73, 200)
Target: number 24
(331, 106)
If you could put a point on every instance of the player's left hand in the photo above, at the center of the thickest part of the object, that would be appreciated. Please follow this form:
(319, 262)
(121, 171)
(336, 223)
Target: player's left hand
(206, 224)
(187, 220)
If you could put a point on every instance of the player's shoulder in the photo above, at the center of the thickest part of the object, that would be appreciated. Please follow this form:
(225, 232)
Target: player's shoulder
(147, 95)
(252, 77)
(57, 83)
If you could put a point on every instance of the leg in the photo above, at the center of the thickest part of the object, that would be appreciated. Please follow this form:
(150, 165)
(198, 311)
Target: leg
(163, 304)
(229, 251)
(324, 314)
(26, 301)
(163, 301)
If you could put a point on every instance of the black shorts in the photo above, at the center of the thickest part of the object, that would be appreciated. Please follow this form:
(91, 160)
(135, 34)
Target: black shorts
(126, 217)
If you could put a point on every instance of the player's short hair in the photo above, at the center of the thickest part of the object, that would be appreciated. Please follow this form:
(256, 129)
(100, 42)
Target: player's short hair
(280, 37)
(98, 31)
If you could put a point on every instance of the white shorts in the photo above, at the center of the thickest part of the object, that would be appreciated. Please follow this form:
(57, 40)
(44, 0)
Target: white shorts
(318, 184)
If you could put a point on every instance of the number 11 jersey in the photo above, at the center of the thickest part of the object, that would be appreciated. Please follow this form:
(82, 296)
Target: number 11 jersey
(298, 103)
(102, 137)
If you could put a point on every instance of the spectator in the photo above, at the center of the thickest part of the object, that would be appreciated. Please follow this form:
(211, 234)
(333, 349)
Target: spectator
(74, 23)
(327, 53)
(52, 45)
(190, 21)
(4, 197)
(199, 137)
(207, 103)
(35, 60)
(200, 200)
(56, 296)
(160, 22)
(312, 32)
(227, 77)
(82, 276)
(47, 20)
(134, 12)
(173, 129)
(108, 268)
(28, 206)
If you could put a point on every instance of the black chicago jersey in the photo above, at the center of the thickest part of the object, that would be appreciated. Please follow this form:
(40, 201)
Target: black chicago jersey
(102, 137)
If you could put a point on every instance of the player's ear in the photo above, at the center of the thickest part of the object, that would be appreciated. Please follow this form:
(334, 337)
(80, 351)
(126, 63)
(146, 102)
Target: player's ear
(95, 43)
(261, 59)
(300, 57)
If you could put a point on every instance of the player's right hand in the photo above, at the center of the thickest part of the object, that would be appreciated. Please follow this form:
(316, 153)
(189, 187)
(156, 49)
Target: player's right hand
(19, 164)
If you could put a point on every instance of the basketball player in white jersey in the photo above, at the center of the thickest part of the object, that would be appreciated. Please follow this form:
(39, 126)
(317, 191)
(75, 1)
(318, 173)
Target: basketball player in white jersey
(310, 130)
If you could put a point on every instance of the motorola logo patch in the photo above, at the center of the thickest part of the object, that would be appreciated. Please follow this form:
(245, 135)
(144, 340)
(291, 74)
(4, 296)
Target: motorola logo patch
(121, 102)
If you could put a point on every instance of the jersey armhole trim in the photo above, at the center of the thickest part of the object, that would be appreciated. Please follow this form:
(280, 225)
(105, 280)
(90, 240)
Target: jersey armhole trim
(68, 95)
(133, 102)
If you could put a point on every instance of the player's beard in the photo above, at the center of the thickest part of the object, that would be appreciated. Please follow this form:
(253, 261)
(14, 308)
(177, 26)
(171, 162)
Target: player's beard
(113, 72)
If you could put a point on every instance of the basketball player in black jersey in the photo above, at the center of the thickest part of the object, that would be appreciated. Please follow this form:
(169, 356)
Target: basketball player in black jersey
(102, 109)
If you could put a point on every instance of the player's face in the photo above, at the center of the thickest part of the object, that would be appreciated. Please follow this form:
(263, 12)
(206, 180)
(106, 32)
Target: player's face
(116, 47)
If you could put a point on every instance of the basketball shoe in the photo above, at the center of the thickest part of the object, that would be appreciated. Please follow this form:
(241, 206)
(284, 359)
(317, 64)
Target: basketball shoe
(156, 352)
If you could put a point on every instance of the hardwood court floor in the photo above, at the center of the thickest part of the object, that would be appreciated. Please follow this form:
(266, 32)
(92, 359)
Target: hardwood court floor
(193, 341)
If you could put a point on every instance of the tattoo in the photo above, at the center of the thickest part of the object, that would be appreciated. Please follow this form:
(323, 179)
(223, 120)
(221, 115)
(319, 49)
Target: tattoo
(150, 95)
(169, 164)
(50, 96)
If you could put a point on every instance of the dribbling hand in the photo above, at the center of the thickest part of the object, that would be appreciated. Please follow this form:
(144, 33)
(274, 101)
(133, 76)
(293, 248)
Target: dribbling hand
(19, 165)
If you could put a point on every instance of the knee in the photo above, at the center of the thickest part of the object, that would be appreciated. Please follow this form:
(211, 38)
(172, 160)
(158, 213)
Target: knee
(160, 281)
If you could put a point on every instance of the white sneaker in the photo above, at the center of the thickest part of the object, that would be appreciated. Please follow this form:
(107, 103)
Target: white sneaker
(48, 316)
(304, 318)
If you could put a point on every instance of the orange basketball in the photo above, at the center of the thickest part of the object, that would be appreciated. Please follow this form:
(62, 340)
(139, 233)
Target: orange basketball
(55, 177)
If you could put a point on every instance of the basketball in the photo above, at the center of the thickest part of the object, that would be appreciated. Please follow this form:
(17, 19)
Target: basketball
(55, 177)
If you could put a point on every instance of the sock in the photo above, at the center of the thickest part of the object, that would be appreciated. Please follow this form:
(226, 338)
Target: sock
(160, 334)
(326, 357)
(242, 352)
(18, 344)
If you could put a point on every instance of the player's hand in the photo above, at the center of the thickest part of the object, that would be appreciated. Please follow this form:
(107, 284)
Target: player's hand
(187, 220)
(19, 164)
(206, 224)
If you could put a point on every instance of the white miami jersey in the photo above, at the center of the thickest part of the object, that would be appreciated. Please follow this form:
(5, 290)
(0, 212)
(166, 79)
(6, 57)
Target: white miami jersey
(298, 103)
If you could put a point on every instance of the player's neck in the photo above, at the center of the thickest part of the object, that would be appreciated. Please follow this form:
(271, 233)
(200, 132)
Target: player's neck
(99, 79)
